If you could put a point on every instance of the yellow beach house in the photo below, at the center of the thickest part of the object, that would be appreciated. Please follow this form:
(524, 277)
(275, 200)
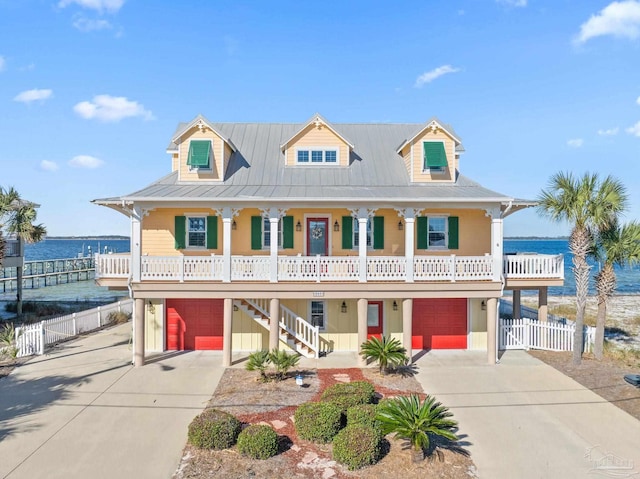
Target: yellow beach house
(314, 237)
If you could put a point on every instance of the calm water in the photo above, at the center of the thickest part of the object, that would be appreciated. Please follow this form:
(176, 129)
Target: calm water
(71, 248)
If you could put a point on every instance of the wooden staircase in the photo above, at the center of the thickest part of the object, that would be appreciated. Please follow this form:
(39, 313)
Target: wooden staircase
(296, 332)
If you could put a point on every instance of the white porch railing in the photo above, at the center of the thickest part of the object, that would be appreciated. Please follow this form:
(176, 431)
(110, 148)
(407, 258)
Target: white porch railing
(300, 329)
(330, 268)
(533, 266)
(531, 334)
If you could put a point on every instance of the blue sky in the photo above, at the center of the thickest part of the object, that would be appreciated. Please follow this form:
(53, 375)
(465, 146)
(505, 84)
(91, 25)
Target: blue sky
(91, 90)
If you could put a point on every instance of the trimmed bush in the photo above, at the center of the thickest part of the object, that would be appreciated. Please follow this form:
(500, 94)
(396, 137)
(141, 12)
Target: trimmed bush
(346, 395)
(318, 421)
(258, 441)
(357, 446)
(214, 429)
(364, 415)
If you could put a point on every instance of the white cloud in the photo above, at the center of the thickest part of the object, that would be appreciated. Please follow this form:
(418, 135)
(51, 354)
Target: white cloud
(429, 76)
(86, 161)
(111, 108)
(88, 25)
(634, 130)
(513, 3)
(49, 165)
(3, 63)
(638, 100)
(111, 6)
(575, 142)
(33, 95)
(609, 131)
(620, 19)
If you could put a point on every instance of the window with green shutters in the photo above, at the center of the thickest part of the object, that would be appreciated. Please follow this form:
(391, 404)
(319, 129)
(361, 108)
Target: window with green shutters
(199, 154)
(437, 232)
(435, 157)
(375, 232)
(261, 232)
(196, 232)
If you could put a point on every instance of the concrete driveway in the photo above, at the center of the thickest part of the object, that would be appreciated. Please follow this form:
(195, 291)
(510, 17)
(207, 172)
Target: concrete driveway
(82, 411)
(523, 419)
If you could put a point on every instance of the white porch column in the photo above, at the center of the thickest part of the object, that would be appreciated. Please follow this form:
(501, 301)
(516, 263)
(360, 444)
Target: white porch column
(273, 225)
(496, 242)
(407, 326)
(362, 246)
(362, 326)
(136, 243)
(274, 324)
(138, 337)
(226, 245)
(517, 304)
(543, 312)
(226, 332)
(492, 323)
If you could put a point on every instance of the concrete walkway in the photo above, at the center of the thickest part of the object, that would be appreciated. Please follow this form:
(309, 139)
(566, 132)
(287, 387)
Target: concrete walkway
(523, 419)
(82, 411)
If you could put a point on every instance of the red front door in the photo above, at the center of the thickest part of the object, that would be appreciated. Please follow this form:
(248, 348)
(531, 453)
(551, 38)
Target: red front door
(194, 324)
(374, 319)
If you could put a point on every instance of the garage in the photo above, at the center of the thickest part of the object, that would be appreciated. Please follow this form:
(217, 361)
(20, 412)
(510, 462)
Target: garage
(194, 324)
(439, 323)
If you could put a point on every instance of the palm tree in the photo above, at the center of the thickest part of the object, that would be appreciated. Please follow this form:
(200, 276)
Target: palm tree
(615, 245)
(589, 205)
(17, 217)
(388, 352)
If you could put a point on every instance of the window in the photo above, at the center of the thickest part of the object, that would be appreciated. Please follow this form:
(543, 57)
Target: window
(317, 314)
(199, 154)
(437, 228)
(317, 156)
(356, 233)
(266, 233)
(196, 232)
(435, 157)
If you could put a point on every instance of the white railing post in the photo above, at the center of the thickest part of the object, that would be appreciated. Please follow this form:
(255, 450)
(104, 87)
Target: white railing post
(73, 324)
(181, 272)
(99, 317)
(454, 268)
(363, 218)
(41, 331)
(409, 246)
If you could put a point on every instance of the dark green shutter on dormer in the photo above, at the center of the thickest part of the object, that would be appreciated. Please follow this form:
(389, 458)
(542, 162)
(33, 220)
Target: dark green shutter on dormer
(256, 232)
(212, 232)
(422, 225)
(434, 155)
(347, 232)
(180, 232)
(287, 232)
(378, 232)
(199, 153)
(453, 232)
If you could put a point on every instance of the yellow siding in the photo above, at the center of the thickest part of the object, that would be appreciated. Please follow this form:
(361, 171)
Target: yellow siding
(217, 163)
(478, 336)
(153, 325)
(227, 157)
(474, 233)
(158, 233)
(175, 162)
(415, 166)
(247, 334)
(317, 137)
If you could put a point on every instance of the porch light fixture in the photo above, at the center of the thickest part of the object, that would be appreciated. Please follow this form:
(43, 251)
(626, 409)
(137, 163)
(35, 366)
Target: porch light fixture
(235, 308)
(336, 226)
(152, 308)
(343, 308)
(234, 225)
(395, 306)
(483, 305)
(400, 226)
(298, 226)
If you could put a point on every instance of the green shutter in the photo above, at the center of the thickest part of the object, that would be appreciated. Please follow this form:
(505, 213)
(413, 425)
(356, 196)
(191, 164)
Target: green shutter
(287, 232)
(256, 232)
(434, 155)
(180, 232)
(347, 232)
(378, 232)
(199, 152)
(423, 232)
(453, 232)
(212, 232)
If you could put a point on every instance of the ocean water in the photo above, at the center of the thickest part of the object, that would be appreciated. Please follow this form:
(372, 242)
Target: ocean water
(72, 248)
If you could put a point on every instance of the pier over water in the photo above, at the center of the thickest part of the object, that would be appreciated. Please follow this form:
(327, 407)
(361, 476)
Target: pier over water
(50, 272)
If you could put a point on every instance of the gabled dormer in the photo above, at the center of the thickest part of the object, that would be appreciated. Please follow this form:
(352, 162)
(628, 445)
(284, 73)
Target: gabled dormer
(199, 151)
(317, 143)
(432, 153)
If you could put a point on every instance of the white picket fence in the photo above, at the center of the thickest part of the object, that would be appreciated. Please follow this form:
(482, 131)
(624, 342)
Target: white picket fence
(33, 338)
(528, 334)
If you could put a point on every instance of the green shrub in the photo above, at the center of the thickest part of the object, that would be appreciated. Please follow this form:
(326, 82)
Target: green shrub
(214, 429)
(8, 339)
(318, 421)
(258, 441)
(118, 317)
(346, 395)
(364, 415)
(283, 361)
(357, 446)
(387, 352)
(259, 361)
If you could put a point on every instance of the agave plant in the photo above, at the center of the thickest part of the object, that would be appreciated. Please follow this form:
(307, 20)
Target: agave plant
(259, 361)
(283, 361)
(410, 419)
(388, 352)
(8, 340)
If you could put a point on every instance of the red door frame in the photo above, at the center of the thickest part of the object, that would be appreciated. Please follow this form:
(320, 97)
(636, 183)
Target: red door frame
(325, 220)
(379, 330)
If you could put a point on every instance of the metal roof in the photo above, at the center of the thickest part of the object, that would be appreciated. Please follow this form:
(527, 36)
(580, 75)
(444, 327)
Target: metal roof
(257, 171)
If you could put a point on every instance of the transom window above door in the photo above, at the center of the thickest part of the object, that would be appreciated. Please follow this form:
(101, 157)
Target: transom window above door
(315, 156)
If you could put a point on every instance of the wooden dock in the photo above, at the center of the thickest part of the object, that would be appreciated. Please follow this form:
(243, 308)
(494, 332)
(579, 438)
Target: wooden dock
(38, 274)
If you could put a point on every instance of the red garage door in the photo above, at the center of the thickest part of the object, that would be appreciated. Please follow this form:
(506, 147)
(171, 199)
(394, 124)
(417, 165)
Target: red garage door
(194, 324)
(439, 324)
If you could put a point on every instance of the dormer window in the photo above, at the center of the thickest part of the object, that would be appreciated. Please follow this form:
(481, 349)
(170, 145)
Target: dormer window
(435, 157)
(199, 154)
(317, 156)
